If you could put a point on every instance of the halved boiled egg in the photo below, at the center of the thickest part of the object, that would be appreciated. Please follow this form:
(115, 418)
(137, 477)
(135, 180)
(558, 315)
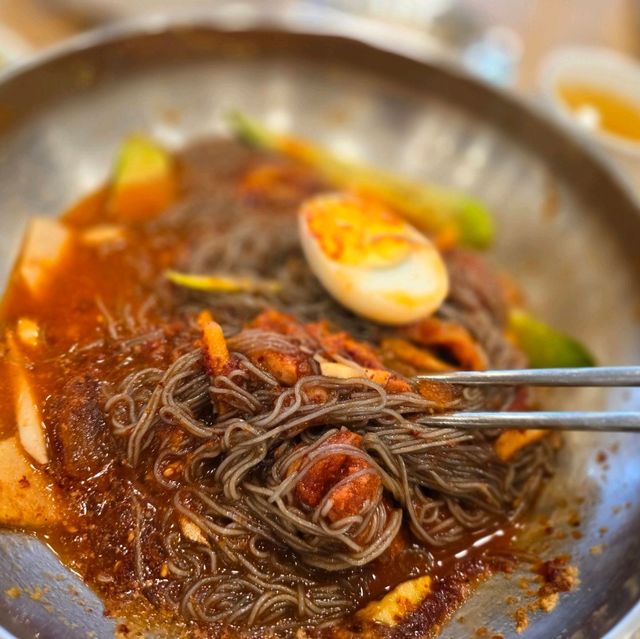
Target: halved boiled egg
(370, 259)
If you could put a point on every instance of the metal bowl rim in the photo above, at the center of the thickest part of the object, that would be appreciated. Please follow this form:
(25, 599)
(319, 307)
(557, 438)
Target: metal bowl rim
(328, 22)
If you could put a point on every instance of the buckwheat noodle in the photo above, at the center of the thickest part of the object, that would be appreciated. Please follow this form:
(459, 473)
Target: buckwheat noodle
(258, 556)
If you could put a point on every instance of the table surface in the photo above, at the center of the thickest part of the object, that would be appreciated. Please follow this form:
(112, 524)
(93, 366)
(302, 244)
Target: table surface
(541, 24)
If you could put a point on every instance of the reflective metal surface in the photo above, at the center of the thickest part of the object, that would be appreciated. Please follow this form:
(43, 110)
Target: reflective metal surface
(568, 230)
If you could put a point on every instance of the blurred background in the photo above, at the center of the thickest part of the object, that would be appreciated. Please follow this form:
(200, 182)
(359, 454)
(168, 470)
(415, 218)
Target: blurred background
(503, 40)
(528, 46)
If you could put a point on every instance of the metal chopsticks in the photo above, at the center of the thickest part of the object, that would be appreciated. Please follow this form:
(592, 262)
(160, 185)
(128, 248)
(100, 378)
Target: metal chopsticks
(605, 376)
(597, 376)
(543, 420)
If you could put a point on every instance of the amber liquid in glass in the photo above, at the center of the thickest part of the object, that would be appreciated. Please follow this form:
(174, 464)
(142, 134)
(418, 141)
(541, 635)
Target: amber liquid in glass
(610, 112)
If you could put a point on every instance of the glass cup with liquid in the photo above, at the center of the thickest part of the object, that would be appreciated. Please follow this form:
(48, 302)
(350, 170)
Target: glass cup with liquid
(598, 91)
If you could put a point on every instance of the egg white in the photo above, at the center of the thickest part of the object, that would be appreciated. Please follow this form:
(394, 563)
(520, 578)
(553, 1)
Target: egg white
(400, 293)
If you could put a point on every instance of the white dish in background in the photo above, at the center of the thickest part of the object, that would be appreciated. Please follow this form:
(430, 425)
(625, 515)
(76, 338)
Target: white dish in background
(595, 67)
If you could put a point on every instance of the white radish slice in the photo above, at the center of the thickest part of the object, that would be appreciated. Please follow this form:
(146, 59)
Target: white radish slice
(28, 331)
(44, 246)
(341, 371)
(30, 425)
(102, 234)
(26, 498)
(29, 421)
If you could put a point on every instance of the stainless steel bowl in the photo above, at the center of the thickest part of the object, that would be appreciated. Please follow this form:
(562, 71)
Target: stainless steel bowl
(569, 230)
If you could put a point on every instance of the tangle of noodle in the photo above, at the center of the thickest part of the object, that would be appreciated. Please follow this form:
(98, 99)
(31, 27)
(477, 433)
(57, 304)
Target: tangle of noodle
(261, 556)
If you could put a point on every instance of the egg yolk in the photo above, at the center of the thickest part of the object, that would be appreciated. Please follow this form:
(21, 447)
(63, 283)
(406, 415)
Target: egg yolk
(358, 232)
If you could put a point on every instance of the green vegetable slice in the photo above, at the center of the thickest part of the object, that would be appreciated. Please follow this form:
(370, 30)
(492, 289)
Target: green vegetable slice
(431, 209)
(222, 283)
(140, 160)
(544, 346)
(144, 180)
